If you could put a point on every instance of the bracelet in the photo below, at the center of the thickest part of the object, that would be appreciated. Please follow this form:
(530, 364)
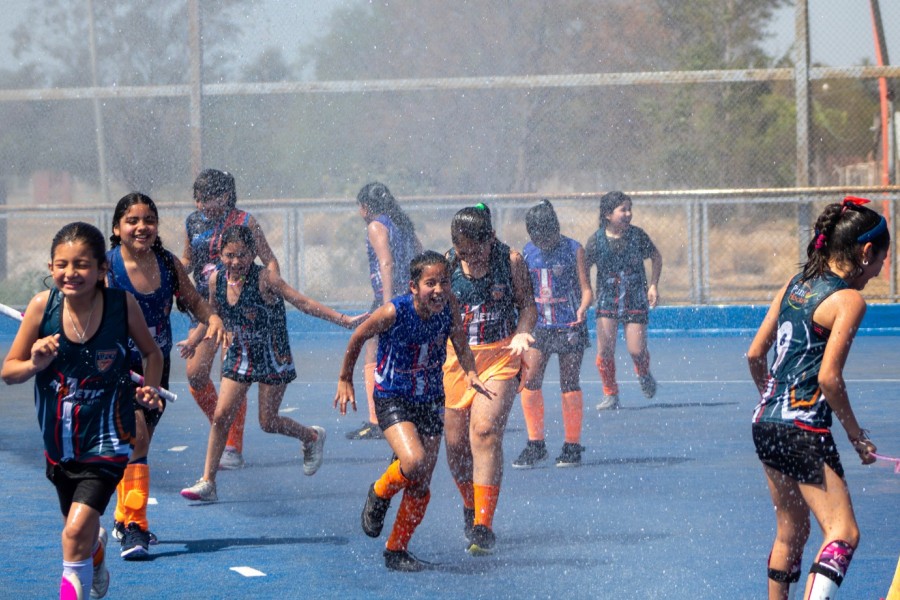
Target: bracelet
(862, 438)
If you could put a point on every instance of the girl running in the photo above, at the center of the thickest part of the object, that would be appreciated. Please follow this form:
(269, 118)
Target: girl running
(250, 299)
(391, 243)
(140, 265)
(562, 293)
(496, 303)
(618, 249)
(215, 195)
(812, 322)
(73, 340)
(412, 332)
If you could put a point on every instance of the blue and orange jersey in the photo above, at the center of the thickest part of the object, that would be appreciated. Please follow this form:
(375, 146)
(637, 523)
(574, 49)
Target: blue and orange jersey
(85, 398)
(554, 277)
(403, 250)
(204, 236)
(411, 354)
(487, 305)
(792, 393)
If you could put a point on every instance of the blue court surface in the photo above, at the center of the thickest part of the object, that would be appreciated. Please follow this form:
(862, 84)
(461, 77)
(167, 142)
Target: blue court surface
(669, 503)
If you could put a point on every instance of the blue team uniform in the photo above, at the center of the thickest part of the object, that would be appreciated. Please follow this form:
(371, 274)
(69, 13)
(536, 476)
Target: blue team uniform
(403, 250)
(204, 236)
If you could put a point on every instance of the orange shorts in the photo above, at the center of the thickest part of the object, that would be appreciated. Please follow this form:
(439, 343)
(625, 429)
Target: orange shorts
(492, 361)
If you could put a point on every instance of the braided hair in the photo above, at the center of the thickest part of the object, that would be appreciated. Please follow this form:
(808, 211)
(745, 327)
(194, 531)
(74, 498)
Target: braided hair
(841, 229)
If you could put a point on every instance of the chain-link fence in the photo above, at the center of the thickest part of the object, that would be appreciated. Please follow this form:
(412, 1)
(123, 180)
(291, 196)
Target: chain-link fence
(728, 148)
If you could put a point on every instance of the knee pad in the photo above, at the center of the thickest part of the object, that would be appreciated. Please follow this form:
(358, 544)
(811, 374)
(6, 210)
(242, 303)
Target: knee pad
(789, 577)
(830, 568)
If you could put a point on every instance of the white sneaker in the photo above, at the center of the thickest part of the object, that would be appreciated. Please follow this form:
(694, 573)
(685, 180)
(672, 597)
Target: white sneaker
(100, 585)
(231, 459)
(202, 491)
(314, 452)
(609, 402)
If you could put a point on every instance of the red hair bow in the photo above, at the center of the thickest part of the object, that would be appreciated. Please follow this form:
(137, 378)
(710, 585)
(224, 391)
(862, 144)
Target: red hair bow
(855, 200)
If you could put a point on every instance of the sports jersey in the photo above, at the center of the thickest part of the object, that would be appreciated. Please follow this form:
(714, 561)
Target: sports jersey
(554, 278)
(204, 236)
(84, 398)
(156, 306)
(403, 250)
(487, 304)
(260, 350)
(411, 354)
(792, 393)
(621, 279)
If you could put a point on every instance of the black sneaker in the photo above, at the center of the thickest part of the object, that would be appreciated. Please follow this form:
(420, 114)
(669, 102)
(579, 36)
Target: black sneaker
(368, 431)
(570, 456)
(119, 533)
(402, 560)
(469, 521)
(135, 543)
(535, 451)
(373, 513)
(482, 541)
(648, 385)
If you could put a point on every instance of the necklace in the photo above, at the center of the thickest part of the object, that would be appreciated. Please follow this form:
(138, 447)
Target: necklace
(83, 332)
(239, 281)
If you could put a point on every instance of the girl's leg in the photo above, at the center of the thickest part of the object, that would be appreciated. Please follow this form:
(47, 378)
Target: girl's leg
(459, 457)
(79, 541)
(606, 361)
(132, 527)
(830, 503)
(572, 398)
(199, 367)
(533, 409)
(792, 531)
(369, 429)
(270, 397)
(421, 456)
(636, 340)
(486, 426)
(232, 395)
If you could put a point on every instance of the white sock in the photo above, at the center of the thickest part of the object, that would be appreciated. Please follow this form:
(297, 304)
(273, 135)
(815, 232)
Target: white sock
(83, 569)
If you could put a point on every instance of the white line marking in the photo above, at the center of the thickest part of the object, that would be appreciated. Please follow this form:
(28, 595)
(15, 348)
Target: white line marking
(177, 448)
(289, 409)
(152, 501)
(248, 571)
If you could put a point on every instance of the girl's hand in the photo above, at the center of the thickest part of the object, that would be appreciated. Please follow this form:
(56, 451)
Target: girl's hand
(353, 322)
(44, 351)
(186, 348)
(215, 330)
(520, 343)
(652, 295)
(864, 447)
(344, 396)
(149, 397)
(478, 386)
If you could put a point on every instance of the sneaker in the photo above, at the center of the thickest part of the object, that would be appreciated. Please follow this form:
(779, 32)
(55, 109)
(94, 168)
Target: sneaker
(70, 587)
(368, 431)
(404, 561)
(135, 543)
(482, 541)
(203, 491)
(314, 452)
(231, 459)
(609, 402)
(469, 521)
(373, 513)
(535, 451)
(100, 585)
(570, 456)
(119, 533)
(648, 385)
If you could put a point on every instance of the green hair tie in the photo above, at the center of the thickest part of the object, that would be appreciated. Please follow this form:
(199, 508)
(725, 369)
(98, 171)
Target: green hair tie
(481, 206)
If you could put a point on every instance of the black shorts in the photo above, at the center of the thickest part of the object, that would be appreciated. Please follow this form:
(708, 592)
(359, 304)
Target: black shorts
(428, 417)
(561, 341)
(152, 416)
(88, 484)
(798, 453)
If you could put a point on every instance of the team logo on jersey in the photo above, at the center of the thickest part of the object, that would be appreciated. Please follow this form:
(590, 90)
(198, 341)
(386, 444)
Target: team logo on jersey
(104, 359)
(800, 295)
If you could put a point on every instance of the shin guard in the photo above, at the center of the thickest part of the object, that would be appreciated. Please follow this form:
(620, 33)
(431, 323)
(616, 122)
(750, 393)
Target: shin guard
(829, 570)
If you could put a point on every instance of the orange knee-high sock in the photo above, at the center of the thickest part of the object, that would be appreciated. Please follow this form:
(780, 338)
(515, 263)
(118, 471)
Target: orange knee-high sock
(409, 515)
(369, 378)
(607, 369)
(642, 364)
(236, 432)
(486, 497)
(137, 492)
(392, 481)
(206, 399)
(119, 514)
(573, 411)
(98, 553)
(467, 491)
(533, 408)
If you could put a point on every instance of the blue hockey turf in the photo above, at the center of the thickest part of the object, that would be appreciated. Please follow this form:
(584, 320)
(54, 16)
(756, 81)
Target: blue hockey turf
(669, 503)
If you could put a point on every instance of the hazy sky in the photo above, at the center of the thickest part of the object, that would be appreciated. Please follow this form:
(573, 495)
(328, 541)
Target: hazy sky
(841, 30)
